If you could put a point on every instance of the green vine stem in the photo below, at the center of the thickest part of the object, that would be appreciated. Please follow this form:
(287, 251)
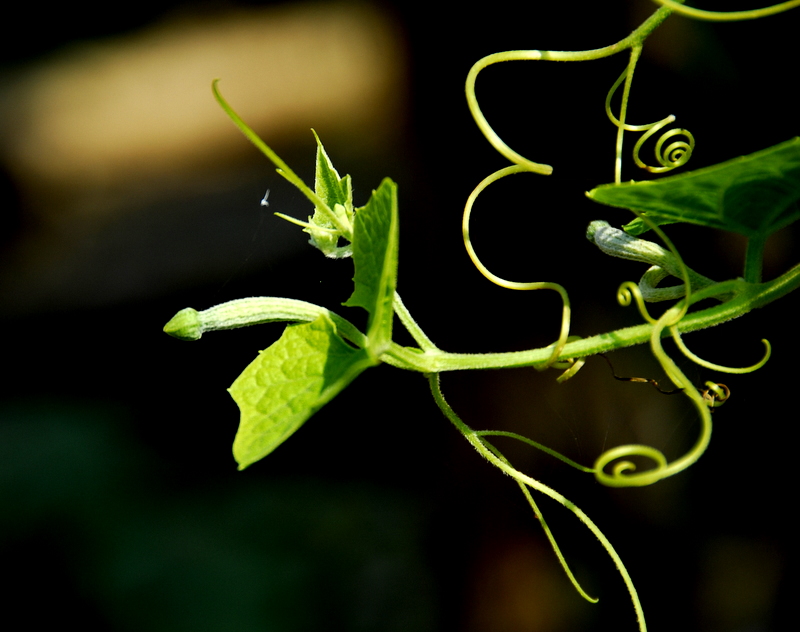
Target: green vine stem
(753, 259)
(747, 297)
(189, 324)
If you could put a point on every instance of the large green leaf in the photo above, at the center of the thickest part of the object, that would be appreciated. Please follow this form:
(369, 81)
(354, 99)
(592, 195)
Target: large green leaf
(288, 382)
(375, 245)
(754, 195)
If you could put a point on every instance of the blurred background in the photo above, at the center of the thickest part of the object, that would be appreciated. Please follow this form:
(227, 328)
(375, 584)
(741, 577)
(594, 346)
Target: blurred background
(127, 195)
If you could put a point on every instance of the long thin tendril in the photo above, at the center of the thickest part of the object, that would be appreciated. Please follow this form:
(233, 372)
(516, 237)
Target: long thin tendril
(540, 517)
(520, 163)
(514, 285)
(636, 52)
(524, 480)
(728, 16)
(535, 444)
(282, 168)
(676, 336)
(299, 222)
(523, 164)
(622, 472)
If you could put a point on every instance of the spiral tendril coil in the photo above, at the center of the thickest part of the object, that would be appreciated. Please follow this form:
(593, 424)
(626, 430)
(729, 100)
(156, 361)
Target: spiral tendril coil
(623, 472)
(674, 155)
(627, 293)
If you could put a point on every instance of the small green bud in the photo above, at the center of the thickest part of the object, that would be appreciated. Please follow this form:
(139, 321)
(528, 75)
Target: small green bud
(185, 325)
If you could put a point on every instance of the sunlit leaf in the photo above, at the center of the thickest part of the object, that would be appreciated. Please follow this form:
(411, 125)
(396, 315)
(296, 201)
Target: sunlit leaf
(288, 382)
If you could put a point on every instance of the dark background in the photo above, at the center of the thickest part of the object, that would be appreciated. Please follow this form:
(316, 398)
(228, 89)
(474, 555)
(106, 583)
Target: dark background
(121, 505)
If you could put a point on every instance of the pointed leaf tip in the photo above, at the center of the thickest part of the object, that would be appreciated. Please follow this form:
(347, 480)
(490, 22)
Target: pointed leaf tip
(375, 252)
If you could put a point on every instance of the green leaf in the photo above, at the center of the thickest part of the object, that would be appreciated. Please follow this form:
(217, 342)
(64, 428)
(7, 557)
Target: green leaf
(288, 382)
(753, 195)
(375, 246)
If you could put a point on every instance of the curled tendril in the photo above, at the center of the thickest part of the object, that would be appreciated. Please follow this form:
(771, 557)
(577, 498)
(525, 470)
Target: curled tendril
(674, 155)
(627, 293)
(715, 395)
(622, 472)
(514, 285)
(676, 336)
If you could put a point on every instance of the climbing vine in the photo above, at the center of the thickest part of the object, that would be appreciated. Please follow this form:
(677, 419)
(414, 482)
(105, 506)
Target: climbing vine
(322, 352)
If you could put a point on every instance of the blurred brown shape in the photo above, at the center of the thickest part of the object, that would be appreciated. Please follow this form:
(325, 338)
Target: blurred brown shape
(140, 106)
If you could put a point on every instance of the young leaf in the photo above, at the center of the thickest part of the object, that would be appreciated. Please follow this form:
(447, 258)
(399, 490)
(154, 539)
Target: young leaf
(754, 195)
(288, 382)
(328, 185)
(337, 194)
(375, 245)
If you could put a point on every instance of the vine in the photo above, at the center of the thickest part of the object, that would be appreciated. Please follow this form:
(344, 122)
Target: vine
(321, 352)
